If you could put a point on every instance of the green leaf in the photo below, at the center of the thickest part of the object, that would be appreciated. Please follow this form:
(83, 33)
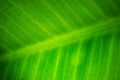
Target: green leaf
(59, 40)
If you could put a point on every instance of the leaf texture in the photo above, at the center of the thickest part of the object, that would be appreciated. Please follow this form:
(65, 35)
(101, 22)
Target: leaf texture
(59, 40)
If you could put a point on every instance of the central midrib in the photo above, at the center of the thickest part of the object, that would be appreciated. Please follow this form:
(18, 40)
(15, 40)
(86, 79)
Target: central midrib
(86, 32)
